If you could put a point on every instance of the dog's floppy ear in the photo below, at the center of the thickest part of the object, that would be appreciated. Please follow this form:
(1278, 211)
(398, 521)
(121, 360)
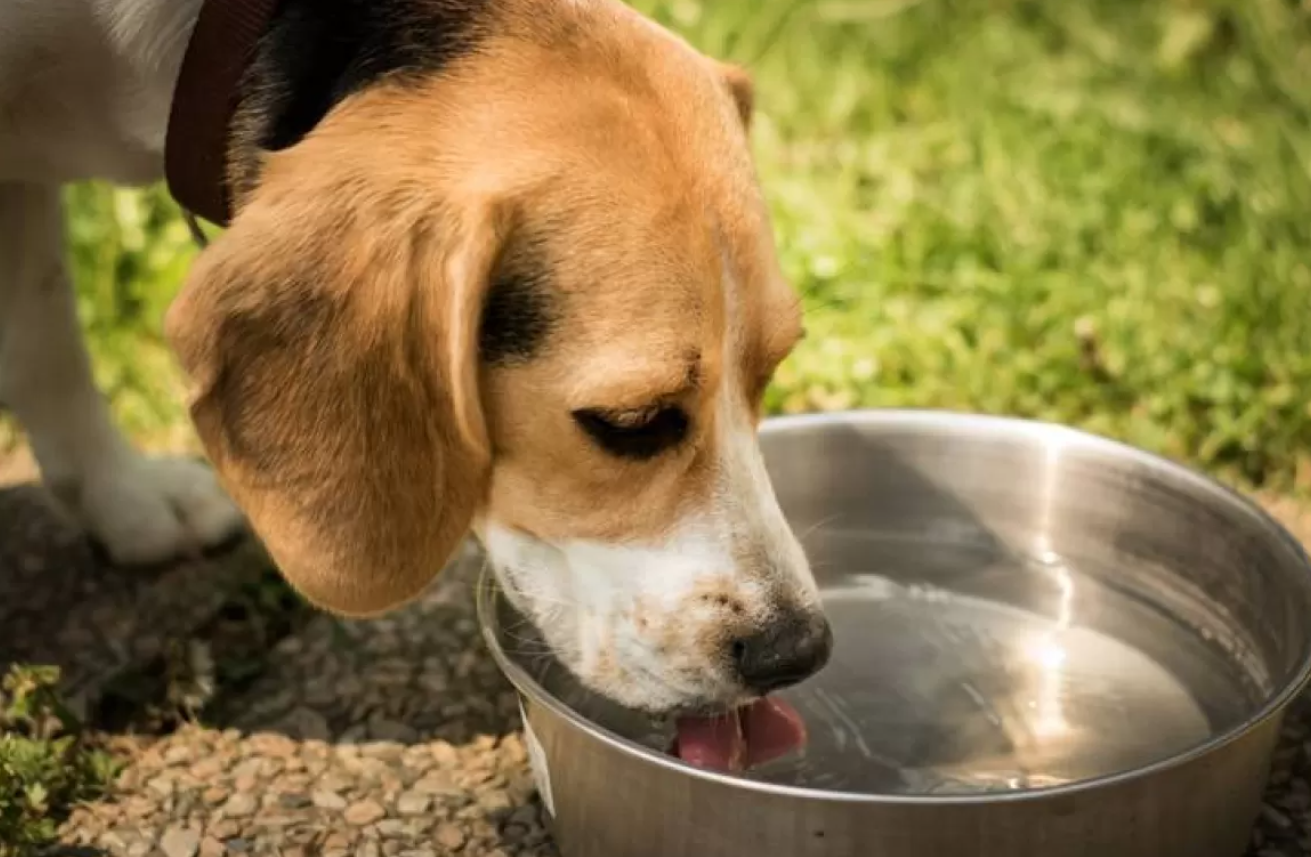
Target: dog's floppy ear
(331, 335)
(738, 81)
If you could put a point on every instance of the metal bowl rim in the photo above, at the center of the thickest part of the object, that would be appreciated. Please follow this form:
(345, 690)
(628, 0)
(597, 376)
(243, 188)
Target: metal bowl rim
(487, 591)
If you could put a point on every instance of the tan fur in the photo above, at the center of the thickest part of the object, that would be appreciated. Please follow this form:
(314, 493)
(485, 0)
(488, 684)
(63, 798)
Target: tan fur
(331, 333)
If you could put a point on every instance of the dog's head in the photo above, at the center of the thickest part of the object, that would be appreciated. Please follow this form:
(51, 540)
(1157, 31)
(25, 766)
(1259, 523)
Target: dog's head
(530, 291)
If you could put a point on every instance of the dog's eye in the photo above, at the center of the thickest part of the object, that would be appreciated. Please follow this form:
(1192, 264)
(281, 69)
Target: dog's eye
(634, 434)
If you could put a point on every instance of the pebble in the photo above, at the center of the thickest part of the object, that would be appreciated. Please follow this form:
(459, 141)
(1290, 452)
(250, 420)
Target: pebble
(328, 800)
(180, 842)
(364, 812)
(413, 803)
(437, 785)
(178, 754)
(391, 827)
(240, 805)
(294, 800)
(449, 836)
(162, 786)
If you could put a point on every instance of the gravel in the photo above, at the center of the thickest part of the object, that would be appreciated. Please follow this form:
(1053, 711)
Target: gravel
(60, 604)
(397, 737)
(383, 737)
(264, 793)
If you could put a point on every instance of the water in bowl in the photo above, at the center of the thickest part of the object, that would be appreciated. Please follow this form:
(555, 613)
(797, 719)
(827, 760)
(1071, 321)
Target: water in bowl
(959, 672)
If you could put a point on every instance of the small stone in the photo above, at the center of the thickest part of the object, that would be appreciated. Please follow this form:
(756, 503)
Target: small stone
(294, 800)
(305, 724)
(335, 782)
(180, 842)
(449, 836)
(225, 829)
(139, 806)
(382, 748)
(437, 785)
(413, 803)
(207, 769)
(240, 805)
(211, 847)
(444, 754)
(239, 845)
(364, 812)
(162, 786)
(112, 840)
(391, 828)
(251, 768)
(494, 802)
(328, 800)
(178, 754)
(275, 746)
(525, 815)
(340, 839)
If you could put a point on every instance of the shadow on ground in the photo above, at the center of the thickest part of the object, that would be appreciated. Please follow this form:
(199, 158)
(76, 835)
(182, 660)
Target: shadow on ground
(251, 724)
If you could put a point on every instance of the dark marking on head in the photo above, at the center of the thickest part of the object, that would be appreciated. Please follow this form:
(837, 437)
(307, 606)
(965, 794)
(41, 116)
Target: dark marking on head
(520, 310)
(317, 52)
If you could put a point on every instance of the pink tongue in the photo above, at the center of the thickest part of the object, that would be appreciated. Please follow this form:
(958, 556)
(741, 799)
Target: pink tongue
(749, 736)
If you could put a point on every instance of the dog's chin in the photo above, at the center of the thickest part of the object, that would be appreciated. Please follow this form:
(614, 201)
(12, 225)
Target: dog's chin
(651, 696)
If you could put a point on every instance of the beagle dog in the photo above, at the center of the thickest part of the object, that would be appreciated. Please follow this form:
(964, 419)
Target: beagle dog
(498, 267)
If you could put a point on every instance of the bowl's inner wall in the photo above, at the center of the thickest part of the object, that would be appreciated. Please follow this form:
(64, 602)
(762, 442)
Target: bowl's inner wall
(1014, 606)
(999, 489)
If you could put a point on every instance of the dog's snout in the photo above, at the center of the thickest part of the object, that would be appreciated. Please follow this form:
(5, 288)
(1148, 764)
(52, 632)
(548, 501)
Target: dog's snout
(784, 653)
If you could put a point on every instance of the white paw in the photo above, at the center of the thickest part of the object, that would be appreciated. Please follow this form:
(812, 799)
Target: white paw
(149, 510)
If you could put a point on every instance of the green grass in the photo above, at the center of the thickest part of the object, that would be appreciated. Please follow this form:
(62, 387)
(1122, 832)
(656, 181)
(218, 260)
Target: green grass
(47, 763)
(1097, 213)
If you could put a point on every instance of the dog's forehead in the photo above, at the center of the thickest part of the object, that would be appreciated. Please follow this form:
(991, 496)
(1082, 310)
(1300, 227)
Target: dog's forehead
(656, 263)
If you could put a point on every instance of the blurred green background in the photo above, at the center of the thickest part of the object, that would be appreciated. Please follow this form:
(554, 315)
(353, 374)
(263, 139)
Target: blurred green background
(1095, 212)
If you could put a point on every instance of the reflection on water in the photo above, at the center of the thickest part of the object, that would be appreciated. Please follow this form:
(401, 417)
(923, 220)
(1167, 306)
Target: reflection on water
(1001, 676)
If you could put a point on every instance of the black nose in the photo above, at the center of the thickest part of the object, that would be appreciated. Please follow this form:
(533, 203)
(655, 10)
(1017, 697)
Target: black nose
(792, 648)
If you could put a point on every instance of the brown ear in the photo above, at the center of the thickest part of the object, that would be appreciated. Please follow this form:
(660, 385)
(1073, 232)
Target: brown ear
(741, 88)
(331, 339)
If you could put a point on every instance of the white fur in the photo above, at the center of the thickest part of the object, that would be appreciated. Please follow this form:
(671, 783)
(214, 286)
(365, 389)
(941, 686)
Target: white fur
(587, 597)
(85, 88)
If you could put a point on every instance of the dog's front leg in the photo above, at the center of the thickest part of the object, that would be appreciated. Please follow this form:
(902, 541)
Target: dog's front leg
(142, 510)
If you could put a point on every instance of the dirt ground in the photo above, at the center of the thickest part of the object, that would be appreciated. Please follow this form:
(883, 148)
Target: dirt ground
(395, 736)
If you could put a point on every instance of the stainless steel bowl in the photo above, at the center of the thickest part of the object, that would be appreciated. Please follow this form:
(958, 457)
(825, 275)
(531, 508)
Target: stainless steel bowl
(1047, 645)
